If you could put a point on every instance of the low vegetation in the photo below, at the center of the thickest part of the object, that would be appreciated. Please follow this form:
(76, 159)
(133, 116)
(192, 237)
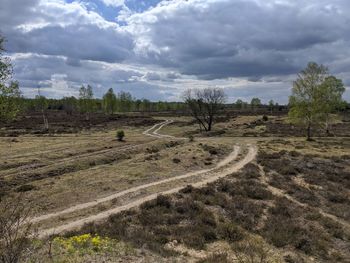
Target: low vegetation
(290, 204)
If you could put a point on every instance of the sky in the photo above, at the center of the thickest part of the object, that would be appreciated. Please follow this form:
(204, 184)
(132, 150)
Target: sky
(156, 49)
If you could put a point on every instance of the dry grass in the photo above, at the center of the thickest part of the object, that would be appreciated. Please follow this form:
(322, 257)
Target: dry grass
(61, 171)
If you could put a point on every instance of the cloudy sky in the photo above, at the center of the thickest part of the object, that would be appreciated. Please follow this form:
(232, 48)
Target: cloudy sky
(157, 48)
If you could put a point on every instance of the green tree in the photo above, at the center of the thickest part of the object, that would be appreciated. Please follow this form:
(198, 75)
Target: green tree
(86, 102)
(255, 103)
(120, 135)
(110, 101)
(145, 105)
(9, 101)
(5, 64)
(125, 101)
(69, 105)
(305, 98)
(239, 104)
(330, 100)
(9, 93)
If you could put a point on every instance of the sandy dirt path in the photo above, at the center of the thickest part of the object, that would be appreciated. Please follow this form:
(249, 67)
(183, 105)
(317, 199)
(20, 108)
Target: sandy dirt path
(153, 131)
(250, 156)
(78, 207)
(281, 193)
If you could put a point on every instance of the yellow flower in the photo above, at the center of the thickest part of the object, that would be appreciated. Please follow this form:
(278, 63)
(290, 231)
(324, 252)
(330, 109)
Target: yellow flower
(96, 241)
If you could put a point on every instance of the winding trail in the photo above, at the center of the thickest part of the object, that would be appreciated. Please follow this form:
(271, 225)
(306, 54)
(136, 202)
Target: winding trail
(103, 215)
(153, 131)
(223, 168)
(75, 208)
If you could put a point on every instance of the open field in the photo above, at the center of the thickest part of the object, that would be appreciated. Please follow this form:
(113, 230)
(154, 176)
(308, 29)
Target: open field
(286, 214)
(160, 196)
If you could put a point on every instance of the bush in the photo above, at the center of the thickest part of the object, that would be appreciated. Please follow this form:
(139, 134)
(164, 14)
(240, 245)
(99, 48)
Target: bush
(265, 118)
(15, 235)
(120, 135)
(25, 188)
(191, 138)
(215, 258)
(231, 232)
(176, 160)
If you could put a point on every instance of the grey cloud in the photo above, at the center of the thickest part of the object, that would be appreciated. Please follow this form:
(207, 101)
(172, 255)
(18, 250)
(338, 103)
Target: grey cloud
(45, 70)
(177, 42)
(85, 42)
(218, 39)
(152, 76)
(15, 12)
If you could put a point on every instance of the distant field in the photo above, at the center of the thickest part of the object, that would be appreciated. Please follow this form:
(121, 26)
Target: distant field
(290, 201)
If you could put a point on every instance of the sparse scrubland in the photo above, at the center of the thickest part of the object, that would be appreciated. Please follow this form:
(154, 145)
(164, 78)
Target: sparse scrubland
(289, 205)
(232, 183)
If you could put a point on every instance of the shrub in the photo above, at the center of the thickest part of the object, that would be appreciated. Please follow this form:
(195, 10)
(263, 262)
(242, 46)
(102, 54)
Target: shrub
(75, 248)
(190, 138)
(188, 189)
(265, 118)
(25, 188)
(216, 258)
(176, 160)
(120, 135)
(231, 232)
(15, 235)
(152, 149)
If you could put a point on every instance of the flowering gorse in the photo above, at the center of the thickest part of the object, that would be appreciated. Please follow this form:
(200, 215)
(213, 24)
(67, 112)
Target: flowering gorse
(82, 243)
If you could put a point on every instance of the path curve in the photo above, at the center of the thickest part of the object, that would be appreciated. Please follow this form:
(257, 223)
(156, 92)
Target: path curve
(153, 131)
(103, 215)
(78, 207)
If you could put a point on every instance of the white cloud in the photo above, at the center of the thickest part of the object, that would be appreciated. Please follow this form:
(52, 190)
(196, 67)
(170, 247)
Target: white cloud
(244, 46)
(115, 3)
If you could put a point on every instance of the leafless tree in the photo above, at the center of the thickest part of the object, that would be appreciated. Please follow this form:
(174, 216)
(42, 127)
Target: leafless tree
(204, 105)
(15, 231)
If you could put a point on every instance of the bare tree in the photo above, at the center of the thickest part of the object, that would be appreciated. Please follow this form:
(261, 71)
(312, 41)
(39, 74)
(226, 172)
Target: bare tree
(204, 105)
(15, 231)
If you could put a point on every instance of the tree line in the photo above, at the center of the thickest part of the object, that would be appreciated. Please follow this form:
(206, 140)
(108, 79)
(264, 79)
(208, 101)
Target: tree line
(316, 98)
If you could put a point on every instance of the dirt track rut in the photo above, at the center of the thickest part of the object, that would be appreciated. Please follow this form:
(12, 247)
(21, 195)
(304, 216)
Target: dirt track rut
(224, 168)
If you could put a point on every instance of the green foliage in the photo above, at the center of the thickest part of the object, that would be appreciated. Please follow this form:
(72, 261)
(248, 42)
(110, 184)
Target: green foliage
(124, 101)
(315, 95)
(330, 99)
(120, 135)
(9, 101)
(69, 105)
(83, 248)
(255, 103)
(5, 64)
(109, 101)
(9, 93)
(86, 104)
(41, 103)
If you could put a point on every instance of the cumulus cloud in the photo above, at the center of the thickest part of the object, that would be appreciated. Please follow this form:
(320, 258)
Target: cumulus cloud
(218, 39)
(115, 3)
(245, 46)
(58, 76)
